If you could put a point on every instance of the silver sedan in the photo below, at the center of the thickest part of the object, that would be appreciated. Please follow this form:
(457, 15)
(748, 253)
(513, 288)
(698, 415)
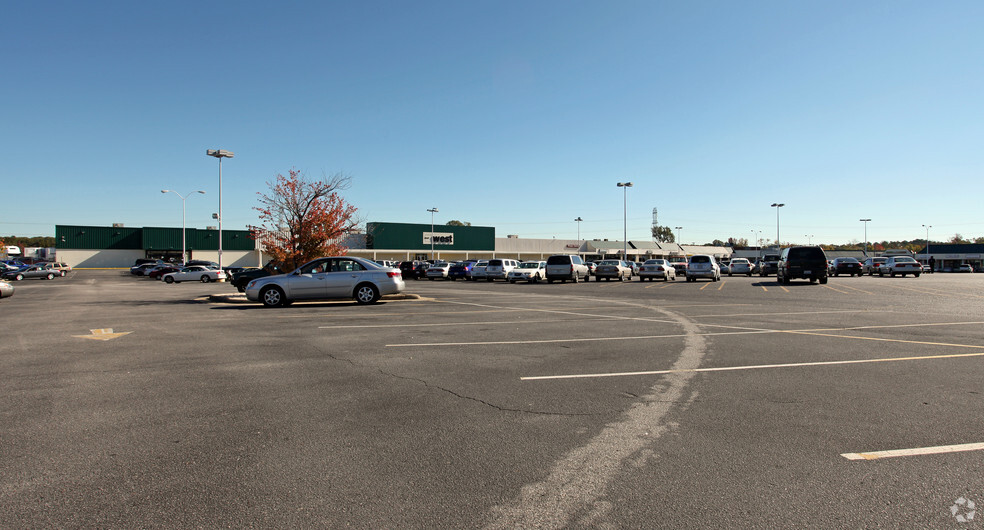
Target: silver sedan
(6, 290)
(340, 277)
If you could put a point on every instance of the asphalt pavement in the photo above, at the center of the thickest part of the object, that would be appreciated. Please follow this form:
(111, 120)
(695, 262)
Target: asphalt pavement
(129, 403)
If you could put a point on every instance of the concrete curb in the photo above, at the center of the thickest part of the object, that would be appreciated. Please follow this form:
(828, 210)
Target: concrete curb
(240, 298)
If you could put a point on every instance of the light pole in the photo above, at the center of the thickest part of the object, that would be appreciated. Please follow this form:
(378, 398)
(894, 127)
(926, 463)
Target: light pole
(433, 211)
(758, 238)
(625, 240)
(183, 199)
(777, 205)
(927, 227)
(220, 154)
(678, 228)
(809, 239)
(865, 221)
(578, 220)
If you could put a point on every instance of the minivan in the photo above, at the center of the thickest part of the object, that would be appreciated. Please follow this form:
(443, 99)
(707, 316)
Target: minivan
(802, 262)
(499, 269)
(565, 267)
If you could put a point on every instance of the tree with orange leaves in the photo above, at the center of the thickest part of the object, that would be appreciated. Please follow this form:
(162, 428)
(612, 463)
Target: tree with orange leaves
(301, 220)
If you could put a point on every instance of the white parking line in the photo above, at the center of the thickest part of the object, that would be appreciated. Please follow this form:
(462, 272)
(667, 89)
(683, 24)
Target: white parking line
(482, 323)
(939, 449)
(752, 367)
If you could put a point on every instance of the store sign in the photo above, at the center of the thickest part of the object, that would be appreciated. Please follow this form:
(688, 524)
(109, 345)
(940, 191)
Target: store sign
(439, 238)
(573, 246)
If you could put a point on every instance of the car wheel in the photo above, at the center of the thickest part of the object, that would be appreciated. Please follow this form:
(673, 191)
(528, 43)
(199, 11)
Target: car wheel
(823, 280)
(205, 278)
(549, 280)
(50, 276)
(169, 279)
(574, 278)
(891, 274)
(241, 289)
(272, 297)
(366, 293)
(916, 275)
(512, 281)
(729, 274)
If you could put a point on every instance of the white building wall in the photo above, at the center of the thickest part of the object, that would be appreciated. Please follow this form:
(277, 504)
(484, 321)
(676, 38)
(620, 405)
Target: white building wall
(98, 259)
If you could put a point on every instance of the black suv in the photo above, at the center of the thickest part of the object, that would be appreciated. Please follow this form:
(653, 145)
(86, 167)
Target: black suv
(802, 262)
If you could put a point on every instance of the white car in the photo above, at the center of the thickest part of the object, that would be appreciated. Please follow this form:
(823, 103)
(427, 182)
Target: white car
(900, 265)
(195, 273)
(478, 270)
(703, 266)
(529, 271)
(438, 270)
(498, 269)
(740, 266)
(339, 277)
(657, 268)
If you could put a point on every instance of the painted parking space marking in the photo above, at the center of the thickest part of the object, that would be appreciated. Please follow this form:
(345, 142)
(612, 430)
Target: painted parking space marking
(753, 367)
(482, 323)
(916, 451)
(722, 284)
(835, 289)
(855, 289)
(704, 287)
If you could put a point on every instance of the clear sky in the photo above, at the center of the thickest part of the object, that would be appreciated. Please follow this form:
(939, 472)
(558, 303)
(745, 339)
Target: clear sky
(517, 115)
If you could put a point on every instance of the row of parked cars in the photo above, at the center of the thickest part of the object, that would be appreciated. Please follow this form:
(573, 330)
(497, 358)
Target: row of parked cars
(48, 270)
(561, 267)
(192, 271)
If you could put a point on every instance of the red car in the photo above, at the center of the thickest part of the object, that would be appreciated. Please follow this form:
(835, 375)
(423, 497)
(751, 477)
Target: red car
(161, 270)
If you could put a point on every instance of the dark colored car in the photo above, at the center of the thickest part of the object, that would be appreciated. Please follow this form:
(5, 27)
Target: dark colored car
(157, 272)
(848, 266)
(241, 279)
(770, 264)
(414, 270)
(461, 270)
(802, 262)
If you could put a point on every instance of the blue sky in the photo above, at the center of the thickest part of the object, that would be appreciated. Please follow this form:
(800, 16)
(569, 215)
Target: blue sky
(517, 115)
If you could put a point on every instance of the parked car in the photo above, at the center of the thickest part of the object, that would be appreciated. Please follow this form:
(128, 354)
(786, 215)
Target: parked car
(409, 269)
(703, 266)
(498, 269)
(966, 267)
(202, 263)
(241, 279)
(528, 271)
(143, 261)
(635, 267)
(478, 270)
(657, 268)
(680, 264)
(770, 264)
(848, 266)
(65, 268)
(871, 265)
(566, 267)
(725, 267)
(387, 263)
(340, 277)
(438, 270)
(808, 262)
(740, 266)
(196, 273)
(143, 269)
(900, 265)
(6, 290)
(461, 270)
(610, 269)
(161, 270)
(31, 271)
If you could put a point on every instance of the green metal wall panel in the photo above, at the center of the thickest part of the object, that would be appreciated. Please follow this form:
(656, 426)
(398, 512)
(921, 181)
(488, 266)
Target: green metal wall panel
(405, 236)
(149, 238)
(97, 237)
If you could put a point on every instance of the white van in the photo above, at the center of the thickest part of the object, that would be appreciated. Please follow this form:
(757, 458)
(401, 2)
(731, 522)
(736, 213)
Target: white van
(13, 251)
(498, 269)
(565, 267)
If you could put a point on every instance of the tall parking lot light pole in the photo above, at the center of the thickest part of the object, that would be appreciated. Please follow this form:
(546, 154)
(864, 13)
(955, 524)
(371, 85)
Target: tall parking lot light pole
(758, 237)
(927, 227)
(777, 205)
(625, 239)
(678, 228)
(183, 199)
(865, 221)
(578, 220)
(220, 154)
(809, 239)
(433, 211)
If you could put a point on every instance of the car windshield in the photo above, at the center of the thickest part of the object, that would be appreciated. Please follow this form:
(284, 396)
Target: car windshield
(653, 262)
(904, 260)
(609, 262)
(700, 259)
(530, 265)
(847, 260)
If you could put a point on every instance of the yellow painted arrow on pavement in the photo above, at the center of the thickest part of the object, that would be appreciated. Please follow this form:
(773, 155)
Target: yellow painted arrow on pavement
(103, 334)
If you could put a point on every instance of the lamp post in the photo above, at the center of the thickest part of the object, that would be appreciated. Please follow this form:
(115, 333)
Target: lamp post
(927, 227)
(433, 211)
(220, 154)
(758, 238)
(578, 220)
(865, 221)
(183, 199)
(777, 205)
(809, 239)
(625, 238)
(678, 228)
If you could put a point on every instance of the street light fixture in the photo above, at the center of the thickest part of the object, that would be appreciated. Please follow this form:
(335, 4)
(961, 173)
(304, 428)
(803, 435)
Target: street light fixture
(220, 154)
(625, 238)
(758, 238)
(865, 221)
(777, 205)
(578, 220)
(809, 239)
(433, 211)
(183, 199)
(678, 228)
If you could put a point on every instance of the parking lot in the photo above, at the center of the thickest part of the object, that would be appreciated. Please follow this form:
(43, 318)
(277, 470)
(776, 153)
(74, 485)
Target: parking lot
(740, 403)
